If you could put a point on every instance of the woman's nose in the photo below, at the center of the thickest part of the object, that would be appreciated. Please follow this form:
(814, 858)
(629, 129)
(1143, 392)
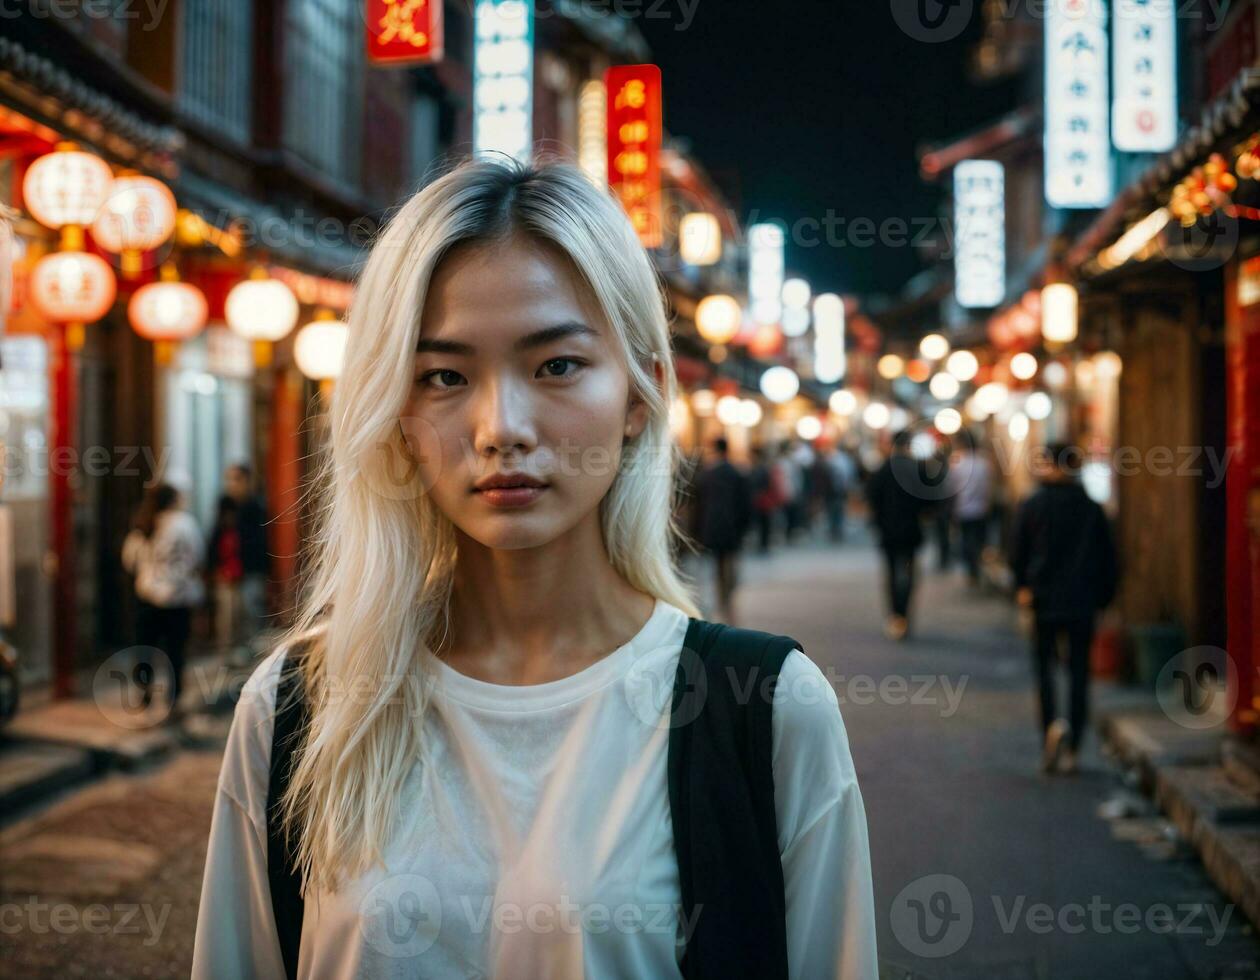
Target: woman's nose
(504, 418)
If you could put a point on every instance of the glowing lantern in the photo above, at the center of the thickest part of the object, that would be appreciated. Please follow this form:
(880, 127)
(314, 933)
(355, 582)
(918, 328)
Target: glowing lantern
(73, 288)
(843, 402)
(718, 318)
(66, 187)
(138, 215)
(876, 415)
(809, 427)
(702, 402)
(262, 310)
(991, 397)
(167, 312)
(728, 410)
(890, 366)
(948, 421)
(1059, 313)
(934, 347)
(700, 238)
(1023, 366)
(320, 347)
(1108, 364)
(749, 413)
(943, 386)
(780, 384)
(962, 364)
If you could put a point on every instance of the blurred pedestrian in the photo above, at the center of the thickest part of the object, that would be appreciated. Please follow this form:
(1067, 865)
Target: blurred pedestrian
(164, 552)
(970, 484)
(942, 510)
(1064, 561)
(787, 483)
(251, 524)
(897, 496)
(722, 515)
(225, 570)
(843, 480)
(801, 455)
(765, 497)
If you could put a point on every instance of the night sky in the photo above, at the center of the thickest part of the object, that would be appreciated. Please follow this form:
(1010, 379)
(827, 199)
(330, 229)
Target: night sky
(801, 108)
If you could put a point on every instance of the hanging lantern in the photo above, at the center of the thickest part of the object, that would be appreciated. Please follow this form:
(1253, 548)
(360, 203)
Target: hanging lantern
(700, 238)
(780, 384)
(1059, 313)
(262, 310)
(138, 215)
(718, 318)
(167, 312)
(66, 187)
(73, 288)
(320, 348)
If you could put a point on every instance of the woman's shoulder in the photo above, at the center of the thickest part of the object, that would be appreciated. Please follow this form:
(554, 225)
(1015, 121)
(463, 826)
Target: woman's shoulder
(246, 768)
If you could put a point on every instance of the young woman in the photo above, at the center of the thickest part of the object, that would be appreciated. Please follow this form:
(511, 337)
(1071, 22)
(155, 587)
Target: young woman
(164, 550)
(492, 631)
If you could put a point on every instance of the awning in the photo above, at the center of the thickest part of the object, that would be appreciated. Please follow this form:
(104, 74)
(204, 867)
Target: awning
(1221, 123)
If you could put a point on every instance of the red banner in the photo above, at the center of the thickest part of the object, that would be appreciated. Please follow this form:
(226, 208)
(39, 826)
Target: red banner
(403, 31)
(634, 146)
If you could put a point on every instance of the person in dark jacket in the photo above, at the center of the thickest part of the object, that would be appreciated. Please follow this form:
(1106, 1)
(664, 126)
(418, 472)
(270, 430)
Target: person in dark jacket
(898, 495)
(722, 514)
(1064, 561)
(250, 527)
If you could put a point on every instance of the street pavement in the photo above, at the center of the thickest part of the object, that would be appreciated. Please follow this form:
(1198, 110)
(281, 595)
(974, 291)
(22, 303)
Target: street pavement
(983, 866)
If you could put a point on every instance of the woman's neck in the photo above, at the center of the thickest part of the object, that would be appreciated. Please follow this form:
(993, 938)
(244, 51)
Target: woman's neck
(533, 615)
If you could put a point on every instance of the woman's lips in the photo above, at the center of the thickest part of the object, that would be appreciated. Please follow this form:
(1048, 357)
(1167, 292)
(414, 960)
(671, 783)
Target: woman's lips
(510, 496)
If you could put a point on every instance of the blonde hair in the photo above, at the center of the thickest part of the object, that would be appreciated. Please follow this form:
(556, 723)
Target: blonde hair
(382, 558)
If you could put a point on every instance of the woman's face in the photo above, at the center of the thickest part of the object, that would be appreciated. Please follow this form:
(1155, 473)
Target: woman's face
(516, 375)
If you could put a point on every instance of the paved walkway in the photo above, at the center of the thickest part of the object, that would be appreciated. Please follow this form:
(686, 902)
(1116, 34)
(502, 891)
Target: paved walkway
(983, 866)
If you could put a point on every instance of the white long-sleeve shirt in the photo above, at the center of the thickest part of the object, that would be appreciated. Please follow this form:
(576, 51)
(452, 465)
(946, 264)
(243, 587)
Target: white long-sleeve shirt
(539, 843)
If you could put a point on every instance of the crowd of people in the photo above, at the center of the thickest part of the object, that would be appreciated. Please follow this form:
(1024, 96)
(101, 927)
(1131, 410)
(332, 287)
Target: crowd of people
(1054, 553)
(176, 570)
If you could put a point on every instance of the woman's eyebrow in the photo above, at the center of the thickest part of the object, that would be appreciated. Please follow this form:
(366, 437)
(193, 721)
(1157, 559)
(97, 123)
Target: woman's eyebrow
(539, 338)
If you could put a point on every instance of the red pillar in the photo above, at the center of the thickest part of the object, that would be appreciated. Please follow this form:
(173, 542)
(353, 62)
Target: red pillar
(284, 477)
(61, 443)
(1242, 488)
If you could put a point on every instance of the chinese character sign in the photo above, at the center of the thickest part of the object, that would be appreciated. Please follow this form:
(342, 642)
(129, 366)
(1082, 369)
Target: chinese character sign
(1077, 137)
(1144, 113)
(503, 78)
(403, 32)
(634, 146)
(980, 233)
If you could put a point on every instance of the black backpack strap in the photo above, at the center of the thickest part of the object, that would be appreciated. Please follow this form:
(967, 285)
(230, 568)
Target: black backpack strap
(291, 716)
(721, 791)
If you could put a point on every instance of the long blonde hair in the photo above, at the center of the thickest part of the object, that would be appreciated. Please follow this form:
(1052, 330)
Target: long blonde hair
(382, 559)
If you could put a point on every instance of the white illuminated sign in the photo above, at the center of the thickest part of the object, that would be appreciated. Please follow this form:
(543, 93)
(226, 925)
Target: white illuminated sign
(830, 363)
(765, 272)
(503, 78)
(979, 233)
(1077, 140)
(1144, 113)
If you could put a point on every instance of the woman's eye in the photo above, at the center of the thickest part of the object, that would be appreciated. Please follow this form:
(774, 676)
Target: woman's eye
(557, 367)
(441, 379)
